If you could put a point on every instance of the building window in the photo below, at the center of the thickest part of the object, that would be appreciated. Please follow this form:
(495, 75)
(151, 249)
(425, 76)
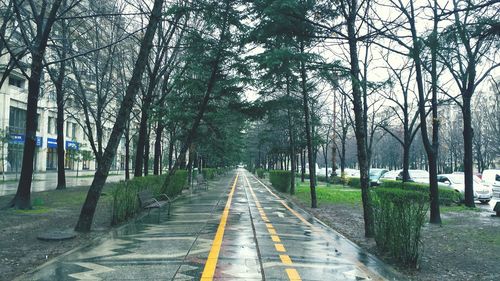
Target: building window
(52, 125)
(16, 82)
(17, 120)
(68, 129)
(74, 131)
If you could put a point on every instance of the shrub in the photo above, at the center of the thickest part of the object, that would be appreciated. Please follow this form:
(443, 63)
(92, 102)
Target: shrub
(281, 180)
(125, 202)
(209, 173)
(399, 216)
(447, 196)
(175, 184)
(260, 173)
(353, 182)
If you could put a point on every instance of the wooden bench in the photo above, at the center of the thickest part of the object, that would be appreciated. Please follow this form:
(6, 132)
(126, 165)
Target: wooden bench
(201, 182)
(148, 201)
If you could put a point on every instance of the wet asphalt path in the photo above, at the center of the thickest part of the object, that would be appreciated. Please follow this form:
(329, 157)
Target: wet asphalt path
(237, 230)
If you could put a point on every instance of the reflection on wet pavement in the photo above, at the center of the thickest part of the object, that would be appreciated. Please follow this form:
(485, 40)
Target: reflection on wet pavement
(264, 238)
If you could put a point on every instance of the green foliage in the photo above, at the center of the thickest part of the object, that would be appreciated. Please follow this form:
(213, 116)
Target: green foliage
(353, 182)
(447, 196)
(399, 216)
(124, 194)
(260, 173)
(209, 173)
(280, 180)
(330, 195)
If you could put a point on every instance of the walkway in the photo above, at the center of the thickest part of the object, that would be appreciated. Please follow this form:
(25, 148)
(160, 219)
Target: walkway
(238, 230)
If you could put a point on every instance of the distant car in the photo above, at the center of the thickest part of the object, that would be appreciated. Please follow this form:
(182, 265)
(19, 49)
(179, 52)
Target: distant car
(375, 175)
(491, 178)
(420, 176)
(390, 175)
(482, 192)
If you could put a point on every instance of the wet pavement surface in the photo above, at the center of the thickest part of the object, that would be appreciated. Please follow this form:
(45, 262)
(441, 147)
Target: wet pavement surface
(237, 230)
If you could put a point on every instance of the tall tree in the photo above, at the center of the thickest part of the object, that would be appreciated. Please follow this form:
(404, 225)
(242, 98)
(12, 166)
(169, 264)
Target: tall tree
(471, 53)
(42, 15)
(88, 209)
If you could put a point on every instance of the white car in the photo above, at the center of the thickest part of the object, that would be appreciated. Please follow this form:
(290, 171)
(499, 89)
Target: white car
(491, 178)
(391, 175)
(483, 193)
(419, 176)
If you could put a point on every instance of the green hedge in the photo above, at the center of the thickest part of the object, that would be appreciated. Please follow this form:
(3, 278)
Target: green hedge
(353, 182)
(447, 196)
(399, 216)
(209, 173)
(260, 173)
(124, 193)
(280, 180)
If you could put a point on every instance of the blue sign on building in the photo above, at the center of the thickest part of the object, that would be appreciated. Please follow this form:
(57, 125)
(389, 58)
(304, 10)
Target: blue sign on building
(73, 145)
(51, 143)
(39, 141)
(19, 139)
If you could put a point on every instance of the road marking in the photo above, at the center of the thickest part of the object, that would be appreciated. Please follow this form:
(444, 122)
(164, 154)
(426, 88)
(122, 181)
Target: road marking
(213, 256)
(275, 238)
(375, 275)
(279, 247)
(292, 273)
(285, 259)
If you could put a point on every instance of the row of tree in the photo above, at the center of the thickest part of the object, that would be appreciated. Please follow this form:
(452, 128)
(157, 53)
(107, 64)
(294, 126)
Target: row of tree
(394, 71)
(176, 71)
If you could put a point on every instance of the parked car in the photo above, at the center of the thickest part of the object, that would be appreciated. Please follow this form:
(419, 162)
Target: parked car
(390, 175)
(483, 193)
(420, 176)
(491, 178)
(375, 175)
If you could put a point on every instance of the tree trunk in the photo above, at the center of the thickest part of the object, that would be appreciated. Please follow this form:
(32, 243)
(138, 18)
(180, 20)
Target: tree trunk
(310, 157)
(88, 210)
(303, 165)
(170, 151)
(360, 121)
(147, 148)
(141, 141)
(468, 134)
(127, 151)
(22, 199)
(157, 160)
(61, 175)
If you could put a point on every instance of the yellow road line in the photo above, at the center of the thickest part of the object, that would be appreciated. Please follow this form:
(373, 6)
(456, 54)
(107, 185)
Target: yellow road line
(361, 266)
(285, 259)
(275, 238)
(293, 274)
(213, 256)
(279, 247)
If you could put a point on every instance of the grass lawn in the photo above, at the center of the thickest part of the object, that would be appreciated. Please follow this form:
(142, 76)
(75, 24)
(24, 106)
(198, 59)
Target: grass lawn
(333, 194)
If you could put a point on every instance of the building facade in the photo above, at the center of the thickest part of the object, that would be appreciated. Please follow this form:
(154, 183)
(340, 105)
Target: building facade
(78, 153)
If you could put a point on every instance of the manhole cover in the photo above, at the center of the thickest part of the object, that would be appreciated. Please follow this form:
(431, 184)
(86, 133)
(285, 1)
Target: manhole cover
(57, 235)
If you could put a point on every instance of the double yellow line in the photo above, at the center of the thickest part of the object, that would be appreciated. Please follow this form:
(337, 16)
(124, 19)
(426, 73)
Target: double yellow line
(213, 256)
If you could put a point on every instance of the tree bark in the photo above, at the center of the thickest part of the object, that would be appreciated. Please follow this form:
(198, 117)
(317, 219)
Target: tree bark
(88, 210)
(305, 105)
(22, 199)
(360, 120)
(468, 134)
(127, 151)
(157, 153)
